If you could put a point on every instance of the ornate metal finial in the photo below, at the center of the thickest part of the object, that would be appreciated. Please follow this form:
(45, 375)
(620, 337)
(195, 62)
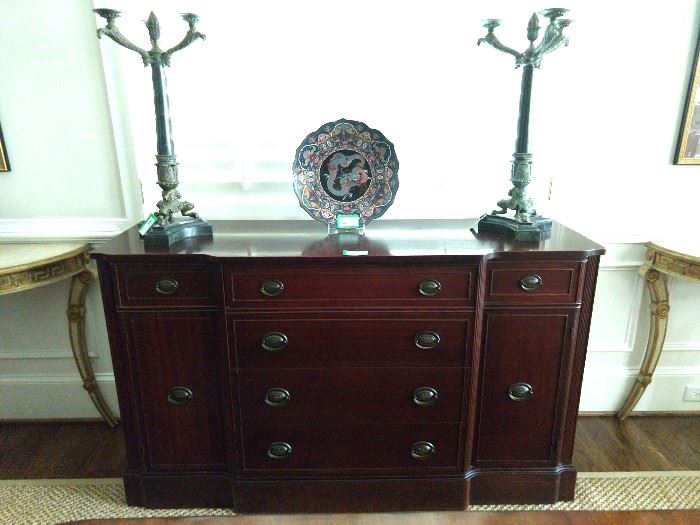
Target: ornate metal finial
(533, 28)
(525, 218)
(166, 163)
(153, 30)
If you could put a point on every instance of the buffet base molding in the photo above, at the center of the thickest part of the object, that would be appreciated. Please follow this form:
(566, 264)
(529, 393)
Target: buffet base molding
(477, 487)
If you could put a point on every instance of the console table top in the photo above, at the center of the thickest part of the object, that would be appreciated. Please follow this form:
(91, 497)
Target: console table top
(384, 238)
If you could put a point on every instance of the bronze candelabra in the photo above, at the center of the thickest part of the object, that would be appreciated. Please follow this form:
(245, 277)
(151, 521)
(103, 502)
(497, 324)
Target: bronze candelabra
(525, 224)
(167, 229)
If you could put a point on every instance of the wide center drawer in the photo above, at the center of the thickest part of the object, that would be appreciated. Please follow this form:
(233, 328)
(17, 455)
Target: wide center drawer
(351, 395)
(304, 450)
(361, 286)
(329, 342)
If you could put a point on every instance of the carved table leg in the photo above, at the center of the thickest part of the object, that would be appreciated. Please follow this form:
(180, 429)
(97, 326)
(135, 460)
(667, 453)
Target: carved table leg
(76, 327)
(659, 308)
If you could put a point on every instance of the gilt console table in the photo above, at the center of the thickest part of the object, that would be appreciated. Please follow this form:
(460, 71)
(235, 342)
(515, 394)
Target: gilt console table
(28, 266)
(662, 260)
(273, 368)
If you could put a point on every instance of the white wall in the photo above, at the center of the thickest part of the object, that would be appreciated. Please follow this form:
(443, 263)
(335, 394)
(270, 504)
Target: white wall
(605, 116)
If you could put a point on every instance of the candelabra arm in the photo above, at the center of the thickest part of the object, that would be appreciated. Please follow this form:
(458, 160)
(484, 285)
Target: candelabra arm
(494, 42)
(191, 36)
(553, 37)
(112, 32)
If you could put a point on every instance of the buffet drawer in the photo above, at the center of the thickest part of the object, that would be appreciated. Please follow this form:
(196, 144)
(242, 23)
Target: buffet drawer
(164, 285)
(361, 286)
(324, 342)
(534, 282)
(342, 396)
(316, 449)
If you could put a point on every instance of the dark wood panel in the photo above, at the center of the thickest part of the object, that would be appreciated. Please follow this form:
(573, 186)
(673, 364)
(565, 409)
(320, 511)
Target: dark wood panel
(575, 378)
(560, 282)
(346, 395)
(362, 286)
(342, 449)
(177, 350)
(529, 348)
(370, 340)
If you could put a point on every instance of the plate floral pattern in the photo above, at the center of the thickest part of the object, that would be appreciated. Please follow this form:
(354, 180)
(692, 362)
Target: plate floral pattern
(345, 167)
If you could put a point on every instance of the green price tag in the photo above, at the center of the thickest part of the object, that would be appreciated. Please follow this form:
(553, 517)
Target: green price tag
(146, 225)
(346, 222)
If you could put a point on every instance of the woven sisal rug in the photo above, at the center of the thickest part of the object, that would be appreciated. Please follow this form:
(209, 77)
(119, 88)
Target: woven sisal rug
(47, 502)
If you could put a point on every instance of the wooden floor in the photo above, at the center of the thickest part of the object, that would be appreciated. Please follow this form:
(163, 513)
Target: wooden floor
(93, 450)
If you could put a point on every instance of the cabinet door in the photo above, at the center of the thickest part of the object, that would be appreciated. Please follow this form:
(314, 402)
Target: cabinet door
(524, 376)
(174, 359)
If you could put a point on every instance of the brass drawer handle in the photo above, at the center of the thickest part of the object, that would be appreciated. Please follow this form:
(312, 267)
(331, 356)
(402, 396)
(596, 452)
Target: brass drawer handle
(425, 396)
(277, 397)
(279, 450)
(167, 286)
(520, 391)
(179, 395)
(429, 287)
(274, 341)
(531, 283)
(272, 288)
(422, 450)
(427, 340)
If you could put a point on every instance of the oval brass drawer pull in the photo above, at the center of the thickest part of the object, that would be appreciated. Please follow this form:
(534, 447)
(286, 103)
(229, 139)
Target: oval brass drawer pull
(530, 283)
(279, 450)
(520, 391)
(277, 397)
(167, 286)
(429, 287)
(272, 288)
(425, 396)
(427, 340)
(422, 450)
(179, 395)
(274, 341)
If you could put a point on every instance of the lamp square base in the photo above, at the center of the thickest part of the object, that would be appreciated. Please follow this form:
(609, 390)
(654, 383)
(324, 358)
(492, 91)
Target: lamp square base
(537, 229)
(178, 230)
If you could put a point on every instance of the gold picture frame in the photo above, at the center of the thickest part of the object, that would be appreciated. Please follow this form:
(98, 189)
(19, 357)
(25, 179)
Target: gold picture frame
(688, 145)
(4, 161)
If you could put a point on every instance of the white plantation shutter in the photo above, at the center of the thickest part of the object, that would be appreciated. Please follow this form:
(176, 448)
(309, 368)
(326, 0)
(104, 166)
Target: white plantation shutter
(272, 71)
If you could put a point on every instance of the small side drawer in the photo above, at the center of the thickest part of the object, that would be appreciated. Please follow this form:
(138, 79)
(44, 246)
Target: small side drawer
(309, 449)
(350, 286)
(164, 285)
(535, 282)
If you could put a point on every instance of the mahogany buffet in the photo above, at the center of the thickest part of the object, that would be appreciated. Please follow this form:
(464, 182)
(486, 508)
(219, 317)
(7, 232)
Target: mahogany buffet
(267, 369)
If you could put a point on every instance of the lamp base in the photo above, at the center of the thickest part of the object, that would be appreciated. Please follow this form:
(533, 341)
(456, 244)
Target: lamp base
(536, 229)
(178, 230)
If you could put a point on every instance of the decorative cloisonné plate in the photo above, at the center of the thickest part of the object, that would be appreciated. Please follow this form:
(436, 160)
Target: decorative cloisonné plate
(343, 168)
